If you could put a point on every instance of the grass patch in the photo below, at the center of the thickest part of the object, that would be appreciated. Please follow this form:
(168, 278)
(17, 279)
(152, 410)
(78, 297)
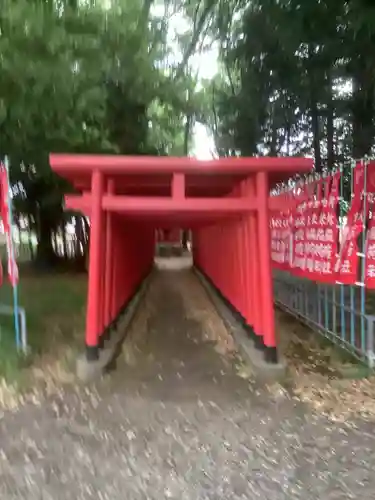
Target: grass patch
(55, 315)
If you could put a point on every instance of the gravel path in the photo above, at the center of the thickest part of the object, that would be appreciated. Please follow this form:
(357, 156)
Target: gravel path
(175, 420)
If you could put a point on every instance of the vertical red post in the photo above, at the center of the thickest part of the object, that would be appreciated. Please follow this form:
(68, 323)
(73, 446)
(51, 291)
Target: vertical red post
(248, 268)
(244, 270)
(93, 293)
(232, 260)
(235, 297)
(222, 269)
(103, 269)
(114, 259)
(240, 285)
(124, 264)
(265, 283)
(254, 307)
(109, 259)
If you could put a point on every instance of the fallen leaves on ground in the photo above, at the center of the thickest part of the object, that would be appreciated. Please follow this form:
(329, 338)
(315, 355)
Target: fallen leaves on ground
(315, 369)
(339, 400)
(199, 308)
(137, 333)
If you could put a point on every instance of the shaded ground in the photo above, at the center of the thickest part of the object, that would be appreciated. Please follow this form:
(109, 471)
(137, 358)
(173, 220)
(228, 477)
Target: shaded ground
(175, 420)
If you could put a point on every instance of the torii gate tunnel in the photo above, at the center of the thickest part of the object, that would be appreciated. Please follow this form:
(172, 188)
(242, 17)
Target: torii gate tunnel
(226, 204)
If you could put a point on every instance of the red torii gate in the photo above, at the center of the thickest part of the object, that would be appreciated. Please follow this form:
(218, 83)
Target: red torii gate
(224, 201)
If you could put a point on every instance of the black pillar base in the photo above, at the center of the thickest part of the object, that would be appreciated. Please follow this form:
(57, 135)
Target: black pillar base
(258, 342)
(106, 335)
(270, 355)
(101, 341)
(250, 332)
(92, 353)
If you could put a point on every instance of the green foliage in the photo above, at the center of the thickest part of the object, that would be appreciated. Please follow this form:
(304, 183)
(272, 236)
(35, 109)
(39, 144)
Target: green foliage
(84, 77)
(296, 78)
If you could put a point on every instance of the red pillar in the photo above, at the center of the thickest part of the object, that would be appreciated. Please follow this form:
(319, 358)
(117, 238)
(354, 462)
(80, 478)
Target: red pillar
(93, 293)
(244, 259)
(265, 282)
(253, 274)
(109, 261)
(103, 260)
(115, 266)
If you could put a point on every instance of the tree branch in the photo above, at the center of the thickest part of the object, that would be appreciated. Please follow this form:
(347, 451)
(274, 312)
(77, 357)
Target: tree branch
(198, 29)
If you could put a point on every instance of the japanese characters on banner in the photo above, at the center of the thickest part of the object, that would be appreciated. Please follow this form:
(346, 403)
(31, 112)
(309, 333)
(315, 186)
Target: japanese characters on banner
(308, 240)
(316, 230)
(304, 241)
(370, 255)
(346, 266)
(5, 216)
(348, 270)
(282, 235)
(322, 232)
(369, 277)
(281, 239)
(277, 250)
(298, 223)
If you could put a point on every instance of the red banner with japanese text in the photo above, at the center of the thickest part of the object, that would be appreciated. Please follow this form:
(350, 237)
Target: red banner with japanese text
(5, 216)
(320, 230)
(369, 278)
(369, 268)
(277, 253)
(281, 234)
(298, 225)
(312, 227)
(312, 241)
(370, 252)
(326, 230)
(347, 263)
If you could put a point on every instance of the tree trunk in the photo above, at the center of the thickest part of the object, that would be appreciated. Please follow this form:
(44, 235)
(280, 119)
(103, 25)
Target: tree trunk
(362, 113)
(145, 14)
(87, 242)
(316, 135)
(29, 239)
(314, 110)
(287, 140)
(80, 236)
(64, 241)
(45, 255)
(86, 230)
(330, 128)
(273, 142)
(197, 31)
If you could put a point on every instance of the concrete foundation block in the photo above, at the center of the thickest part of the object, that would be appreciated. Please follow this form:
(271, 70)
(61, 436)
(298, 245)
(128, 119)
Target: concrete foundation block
(268, 372)
(88, 371)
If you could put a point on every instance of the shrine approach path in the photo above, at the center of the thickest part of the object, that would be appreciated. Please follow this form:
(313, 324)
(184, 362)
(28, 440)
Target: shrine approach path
(179, 419)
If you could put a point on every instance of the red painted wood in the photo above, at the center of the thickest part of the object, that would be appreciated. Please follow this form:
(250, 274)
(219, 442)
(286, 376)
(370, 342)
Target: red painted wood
(93, 294)
(225, 201)
(108, 260)
(118, 165)
(178, 186)
(264, 262)
(157, 205)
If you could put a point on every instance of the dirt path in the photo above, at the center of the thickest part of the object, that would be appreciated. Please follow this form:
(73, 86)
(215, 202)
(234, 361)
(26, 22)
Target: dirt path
(175, 420)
